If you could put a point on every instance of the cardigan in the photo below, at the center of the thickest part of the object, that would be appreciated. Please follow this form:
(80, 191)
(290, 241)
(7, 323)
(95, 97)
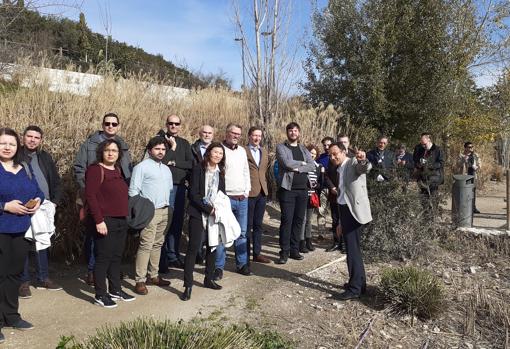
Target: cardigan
(20, 187)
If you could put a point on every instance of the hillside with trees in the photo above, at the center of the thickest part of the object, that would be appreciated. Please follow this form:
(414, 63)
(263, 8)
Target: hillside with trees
(60, 42)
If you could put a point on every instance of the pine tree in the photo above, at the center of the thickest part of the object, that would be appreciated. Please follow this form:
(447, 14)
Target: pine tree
(83, 41)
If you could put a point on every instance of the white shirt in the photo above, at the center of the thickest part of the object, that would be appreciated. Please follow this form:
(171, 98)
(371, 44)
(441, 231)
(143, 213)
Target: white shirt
(255, 151)
(341, 187)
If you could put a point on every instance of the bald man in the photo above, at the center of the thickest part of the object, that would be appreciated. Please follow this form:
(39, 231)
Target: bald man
(206, 136)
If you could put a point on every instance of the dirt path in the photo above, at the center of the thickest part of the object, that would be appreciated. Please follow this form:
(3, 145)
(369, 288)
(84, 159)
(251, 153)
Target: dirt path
(71, 312)
(276, 297)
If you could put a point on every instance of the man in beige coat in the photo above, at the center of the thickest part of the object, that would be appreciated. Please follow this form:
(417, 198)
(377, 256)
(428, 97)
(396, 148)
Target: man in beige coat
(258, 161)
(354, 213)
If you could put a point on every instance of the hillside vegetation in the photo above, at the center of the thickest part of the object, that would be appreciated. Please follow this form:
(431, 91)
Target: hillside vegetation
(24, 32)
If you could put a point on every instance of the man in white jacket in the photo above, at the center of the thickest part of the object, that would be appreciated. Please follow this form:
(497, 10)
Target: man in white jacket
(237, 185)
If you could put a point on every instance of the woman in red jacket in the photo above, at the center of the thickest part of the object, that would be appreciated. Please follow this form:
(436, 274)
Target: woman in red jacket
(106, 194)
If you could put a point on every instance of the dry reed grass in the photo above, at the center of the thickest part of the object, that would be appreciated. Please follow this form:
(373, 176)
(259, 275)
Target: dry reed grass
(68, 120)
(487, 316)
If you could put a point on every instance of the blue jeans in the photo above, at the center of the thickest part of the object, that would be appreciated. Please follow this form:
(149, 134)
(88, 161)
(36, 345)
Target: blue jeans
(88, 249)
(170, 249)
(41, 258)
(240, 210)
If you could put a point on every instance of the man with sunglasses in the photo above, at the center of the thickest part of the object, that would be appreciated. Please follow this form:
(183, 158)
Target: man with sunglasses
(179, 159)
(87, 156)
(468, 163)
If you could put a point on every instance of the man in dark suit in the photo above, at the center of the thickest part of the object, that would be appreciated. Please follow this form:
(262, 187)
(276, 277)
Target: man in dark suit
(258, 161)
(354, 213)
(382, 160)
(206, 136)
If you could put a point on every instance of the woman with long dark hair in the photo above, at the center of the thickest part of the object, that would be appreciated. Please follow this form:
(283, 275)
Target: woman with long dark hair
(20, 198)
(106, 194)
(208, 177)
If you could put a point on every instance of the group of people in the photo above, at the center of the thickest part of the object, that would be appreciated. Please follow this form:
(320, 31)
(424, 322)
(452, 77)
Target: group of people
(226, 187)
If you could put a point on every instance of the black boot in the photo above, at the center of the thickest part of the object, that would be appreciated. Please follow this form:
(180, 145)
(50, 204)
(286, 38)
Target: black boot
(186, 295)
(295, 255)
(302, 247)
(309, 244)
(208, 283)
(283, 258)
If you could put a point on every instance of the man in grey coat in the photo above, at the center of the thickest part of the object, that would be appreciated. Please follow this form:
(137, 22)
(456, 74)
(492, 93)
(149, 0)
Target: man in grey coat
(294, 162)
(87, 156)
(354, 209)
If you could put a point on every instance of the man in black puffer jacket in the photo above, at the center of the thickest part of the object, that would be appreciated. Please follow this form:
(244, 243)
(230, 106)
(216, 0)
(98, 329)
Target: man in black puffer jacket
(428, 167)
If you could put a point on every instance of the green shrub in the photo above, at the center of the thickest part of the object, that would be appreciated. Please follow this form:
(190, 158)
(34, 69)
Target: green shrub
(401, 228)
(412, 291)
(151, 334)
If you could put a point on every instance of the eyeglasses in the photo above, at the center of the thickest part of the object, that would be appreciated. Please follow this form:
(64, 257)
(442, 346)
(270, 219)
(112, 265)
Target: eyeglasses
(113, 124)
(170, 123)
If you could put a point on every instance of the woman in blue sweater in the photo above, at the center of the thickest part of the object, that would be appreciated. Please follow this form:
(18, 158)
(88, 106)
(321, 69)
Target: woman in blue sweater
(20, 197)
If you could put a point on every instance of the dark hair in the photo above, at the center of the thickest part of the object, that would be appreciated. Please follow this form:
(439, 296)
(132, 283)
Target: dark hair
(340, 146)
(383, 137)
(253, 129)
(207, 157)
(426, 134)
(18, 156)
(313, 146)
(111, 115)
(327, 139)
(467, 144)
(33, 128)
(292, 125)
(102, 146)
(341, 135)
(154, 141)
(402, 146)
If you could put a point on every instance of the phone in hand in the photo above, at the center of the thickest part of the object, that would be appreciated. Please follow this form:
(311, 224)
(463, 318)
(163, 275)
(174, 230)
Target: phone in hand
(31, 203)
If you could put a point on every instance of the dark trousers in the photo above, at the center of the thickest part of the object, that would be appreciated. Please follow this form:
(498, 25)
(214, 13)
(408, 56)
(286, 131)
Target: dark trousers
(13, 253)
(333, 205)
(41, 258)
(170, 249)
(197, 235)
(108, 251)
(293, 205)
(256, 209)
(351, 232)
(88, 249)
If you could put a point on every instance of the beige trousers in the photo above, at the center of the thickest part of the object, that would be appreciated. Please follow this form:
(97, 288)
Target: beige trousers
(151, 240)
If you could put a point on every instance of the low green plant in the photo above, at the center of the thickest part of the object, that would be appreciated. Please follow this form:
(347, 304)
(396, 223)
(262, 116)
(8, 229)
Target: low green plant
(151, 334)
(412, 291)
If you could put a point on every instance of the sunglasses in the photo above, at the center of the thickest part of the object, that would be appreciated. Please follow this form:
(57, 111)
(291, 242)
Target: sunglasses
(169, 123)
(108, 124)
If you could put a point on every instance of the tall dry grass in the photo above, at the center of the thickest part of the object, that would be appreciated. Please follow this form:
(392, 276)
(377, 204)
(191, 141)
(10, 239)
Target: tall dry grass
(68, 120)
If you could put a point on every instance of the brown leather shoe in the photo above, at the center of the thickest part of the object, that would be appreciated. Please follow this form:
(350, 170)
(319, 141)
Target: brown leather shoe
(140, 288)
(261, 259)
(157, 281)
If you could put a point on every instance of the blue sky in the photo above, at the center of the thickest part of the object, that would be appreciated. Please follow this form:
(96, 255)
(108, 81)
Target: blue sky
(196, 33)
(199, 34)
